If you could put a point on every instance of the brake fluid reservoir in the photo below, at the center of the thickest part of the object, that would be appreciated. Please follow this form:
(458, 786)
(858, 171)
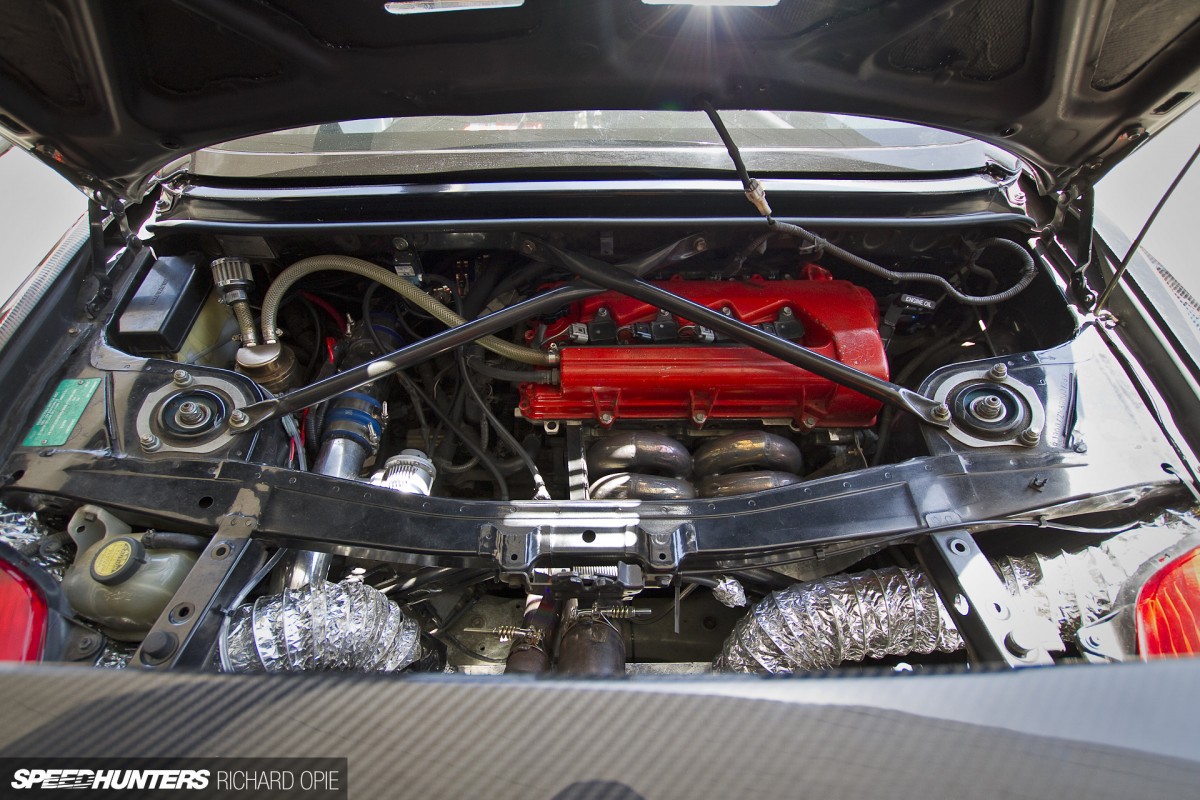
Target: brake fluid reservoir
(124, 587)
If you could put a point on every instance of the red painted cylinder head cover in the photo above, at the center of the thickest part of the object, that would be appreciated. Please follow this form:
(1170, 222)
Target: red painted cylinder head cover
(622, 359)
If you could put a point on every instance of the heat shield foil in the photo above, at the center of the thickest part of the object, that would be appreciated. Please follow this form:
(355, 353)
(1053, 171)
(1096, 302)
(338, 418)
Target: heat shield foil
(729, 592)
(27, 535)
(346, 627)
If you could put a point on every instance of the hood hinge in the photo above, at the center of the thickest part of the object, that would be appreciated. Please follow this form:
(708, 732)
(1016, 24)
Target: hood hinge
(96, 283)
(1074, 221)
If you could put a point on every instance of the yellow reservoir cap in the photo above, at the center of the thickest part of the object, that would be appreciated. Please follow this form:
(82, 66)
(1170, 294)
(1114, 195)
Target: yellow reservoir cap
(118, 560)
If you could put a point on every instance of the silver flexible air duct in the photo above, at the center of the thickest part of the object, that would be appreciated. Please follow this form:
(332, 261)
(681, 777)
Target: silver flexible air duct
(348, 627)
(894, 612)
(820, 624)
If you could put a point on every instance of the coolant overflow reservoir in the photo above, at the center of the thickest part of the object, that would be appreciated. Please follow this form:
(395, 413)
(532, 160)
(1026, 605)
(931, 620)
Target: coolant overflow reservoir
(123, 586)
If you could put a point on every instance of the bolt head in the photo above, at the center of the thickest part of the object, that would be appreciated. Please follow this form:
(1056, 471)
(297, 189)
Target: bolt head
(181, 377)
(1030, 437)
(239, 419)
(159, 645)
(998, 372)
(400, 243)
(606, 418)
(941, 412)
(149, 442)
(700, 245)
(699, 417)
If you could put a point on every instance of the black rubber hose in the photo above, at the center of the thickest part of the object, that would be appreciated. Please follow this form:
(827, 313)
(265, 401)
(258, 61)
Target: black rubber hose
(416, 391)
(1028, 270)
(510, 440)
(547, 377)
(483, 290)
(484, 459)
(168, 540)
(460, 355)
(730, 146)
(519, 277)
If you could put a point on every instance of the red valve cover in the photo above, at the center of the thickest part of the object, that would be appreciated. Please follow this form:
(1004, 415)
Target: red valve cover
(697, 379)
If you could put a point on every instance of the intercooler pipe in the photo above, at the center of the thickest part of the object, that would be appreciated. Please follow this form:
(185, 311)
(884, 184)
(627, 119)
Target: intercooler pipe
(348, 627)
(350, 434)
(818, 624)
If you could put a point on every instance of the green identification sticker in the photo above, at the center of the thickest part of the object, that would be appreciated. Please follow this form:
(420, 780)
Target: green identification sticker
(60, 415)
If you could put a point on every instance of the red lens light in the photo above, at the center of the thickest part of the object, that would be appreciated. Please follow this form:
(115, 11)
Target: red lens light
(1168, 610)
(22, 617)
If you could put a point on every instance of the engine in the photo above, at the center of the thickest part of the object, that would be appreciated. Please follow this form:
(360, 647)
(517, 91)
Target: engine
(388, 407)
(622, 360)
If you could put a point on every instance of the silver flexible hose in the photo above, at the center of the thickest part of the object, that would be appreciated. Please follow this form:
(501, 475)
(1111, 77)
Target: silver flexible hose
(401, 286)
(347, 627)
(245, 323)
(819, 624)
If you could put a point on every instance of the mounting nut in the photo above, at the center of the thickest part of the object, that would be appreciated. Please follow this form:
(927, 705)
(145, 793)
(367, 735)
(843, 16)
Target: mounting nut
(239, 419)
(699, 417)
(700, 245)
(998, 372)
(941, 412)
(606, 418)
(988, 408)
(181, 377)
(1030, 436)
(150, 442)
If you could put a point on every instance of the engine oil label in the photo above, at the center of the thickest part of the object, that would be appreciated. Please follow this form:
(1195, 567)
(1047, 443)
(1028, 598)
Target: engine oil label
(62, 413)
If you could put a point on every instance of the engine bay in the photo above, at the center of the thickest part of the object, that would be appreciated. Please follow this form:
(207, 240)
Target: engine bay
(590, 451)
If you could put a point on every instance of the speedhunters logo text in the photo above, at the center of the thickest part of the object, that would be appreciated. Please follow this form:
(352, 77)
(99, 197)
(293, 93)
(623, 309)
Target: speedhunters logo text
(309, 778)
(110, 779)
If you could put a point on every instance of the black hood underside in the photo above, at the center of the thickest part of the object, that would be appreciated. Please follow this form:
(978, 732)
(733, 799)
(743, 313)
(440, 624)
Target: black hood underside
(111, 91)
